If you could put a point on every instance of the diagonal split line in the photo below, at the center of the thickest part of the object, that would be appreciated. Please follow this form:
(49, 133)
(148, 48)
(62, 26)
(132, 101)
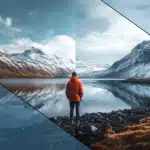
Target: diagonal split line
(42, 114)
(125, 17)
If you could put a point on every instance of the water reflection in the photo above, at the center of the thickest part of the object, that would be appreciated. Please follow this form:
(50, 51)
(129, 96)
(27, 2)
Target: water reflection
(21, 128)
(135, 95)
(48, 96)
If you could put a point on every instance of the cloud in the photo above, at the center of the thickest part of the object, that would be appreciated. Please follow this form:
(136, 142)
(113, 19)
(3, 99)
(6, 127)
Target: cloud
(134, 10)
(61, 45)
(114, 38)
(111, 44)
(6, 28)
(92, 16)
(2, 21)
(8, 21)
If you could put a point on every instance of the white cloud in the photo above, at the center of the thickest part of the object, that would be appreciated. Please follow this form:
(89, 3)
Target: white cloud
(7, 28)
(119, 39)
(134, 10)
(8, 21)
(61, 45)
(2, 21)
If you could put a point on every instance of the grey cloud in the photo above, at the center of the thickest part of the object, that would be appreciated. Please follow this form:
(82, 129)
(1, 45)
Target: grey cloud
(85, 23)
(143, 7)
(95, 18)
(137, 11)
(97, 58)
(88, 25)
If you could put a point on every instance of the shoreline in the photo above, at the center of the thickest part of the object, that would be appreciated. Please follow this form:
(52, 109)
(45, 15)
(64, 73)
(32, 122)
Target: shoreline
(94, 126)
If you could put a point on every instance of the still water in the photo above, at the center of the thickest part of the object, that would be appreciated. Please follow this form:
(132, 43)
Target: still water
(48, 95)
(22, 127)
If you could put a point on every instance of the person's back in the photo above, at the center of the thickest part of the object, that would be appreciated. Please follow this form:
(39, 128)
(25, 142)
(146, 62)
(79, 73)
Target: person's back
(74, 93)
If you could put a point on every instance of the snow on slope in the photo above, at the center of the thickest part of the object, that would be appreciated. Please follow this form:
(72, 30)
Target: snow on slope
(88, 69)
(34, 62)
(134, 65)
(37, 56)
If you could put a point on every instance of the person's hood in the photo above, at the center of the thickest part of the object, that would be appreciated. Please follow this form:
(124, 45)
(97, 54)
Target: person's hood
(74, 79)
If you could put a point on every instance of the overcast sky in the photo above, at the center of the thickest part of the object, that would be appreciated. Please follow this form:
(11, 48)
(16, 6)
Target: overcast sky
(135, 10)
(103, 36)
(87, 29)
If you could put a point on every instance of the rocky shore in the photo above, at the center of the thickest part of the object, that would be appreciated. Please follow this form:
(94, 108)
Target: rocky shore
(94, 127)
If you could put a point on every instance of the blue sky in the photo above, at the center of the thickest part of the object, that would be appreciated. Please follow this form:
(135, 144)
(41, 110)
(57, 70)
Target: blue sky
(82, 29)
(36, 19)
(47, 24)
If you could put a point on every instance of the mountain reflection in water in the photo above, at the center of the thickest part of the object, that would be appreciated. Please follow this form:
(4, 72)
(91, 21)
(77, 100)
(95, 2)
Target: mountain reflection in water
(99, 96)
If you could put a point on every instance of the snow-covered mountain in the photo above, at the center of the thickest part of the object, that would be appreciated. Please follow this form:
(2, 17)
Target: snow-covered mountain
(88, 69)
(134, 65)
(34, 63)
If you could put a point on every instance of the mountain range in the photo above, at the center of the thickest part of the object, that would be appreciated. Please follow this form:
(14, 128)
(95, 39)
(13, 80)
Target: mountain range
(88, 69)
(134, 65)
(34, 63)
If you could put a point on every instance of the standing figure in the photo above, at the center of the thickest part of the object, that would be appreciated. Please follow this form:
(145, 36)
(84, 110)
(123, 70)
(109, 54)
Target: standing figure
(74, 93)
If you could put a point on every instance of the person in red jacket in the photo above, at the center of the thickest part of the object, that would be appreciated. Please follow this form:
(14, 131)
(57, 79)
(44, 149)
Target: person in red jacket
(74, 93)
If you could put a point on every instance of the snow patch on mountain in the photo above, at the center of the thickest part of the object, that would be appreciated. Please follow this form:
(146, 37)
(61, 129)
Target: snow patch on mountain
(88, 69)
(134, 65)
(35, 61)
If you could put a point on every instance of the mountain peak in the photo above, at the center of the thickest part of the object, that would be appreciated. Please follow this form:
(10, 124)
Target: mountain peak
(1, 53)
(33, 50)
(143, 46)
(134, 65)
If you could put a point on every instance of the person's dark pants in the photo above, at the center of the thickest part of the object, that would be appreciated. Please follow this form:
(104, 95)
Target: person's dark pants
(77, 105)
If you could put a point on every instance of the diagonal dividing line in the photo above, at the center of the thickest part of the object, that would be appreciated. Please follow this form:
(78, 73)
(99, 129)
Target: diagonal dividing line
(43, 114)
(125, 17)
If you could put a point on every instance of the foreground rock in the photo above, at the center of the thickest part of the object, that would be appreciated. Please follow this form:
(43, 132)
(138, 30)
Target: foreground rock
(93, 127)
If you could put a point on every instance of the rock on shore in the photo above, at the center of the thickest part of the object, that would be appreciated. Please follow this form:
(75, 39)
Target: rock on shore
(93, 127)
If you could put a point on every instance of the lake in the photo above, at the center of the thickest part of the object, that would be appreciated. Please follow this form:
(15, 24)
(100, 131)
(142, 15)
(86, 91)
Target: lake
(20, 122)
(48, 95)
(23, 128)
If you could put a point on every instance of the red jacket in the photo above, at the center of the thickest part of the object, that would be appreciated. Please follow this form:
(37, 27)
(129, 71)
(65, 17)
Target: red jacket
(74, 90)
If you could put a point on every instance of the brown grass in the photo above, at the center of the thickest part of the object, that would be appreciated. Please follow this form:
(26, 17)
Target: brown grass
(4, 73)
(136, 136)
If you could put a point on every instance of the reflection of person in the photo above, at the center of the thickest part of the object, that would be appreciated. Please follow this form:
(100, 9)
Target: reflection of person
(74, 93)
